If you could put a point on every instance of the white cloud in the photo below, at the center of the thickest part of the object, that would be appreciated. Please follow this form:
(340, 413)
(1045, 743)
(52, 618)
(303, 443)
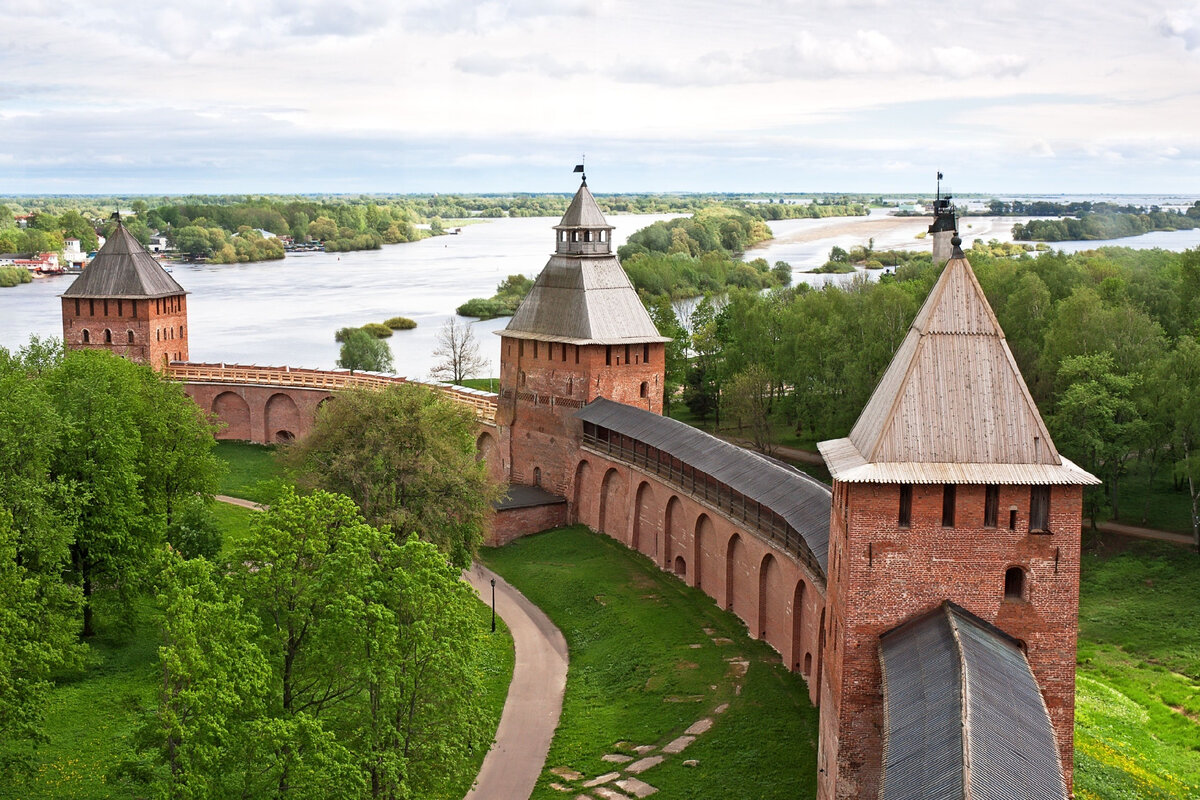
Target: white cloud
(1183, 24)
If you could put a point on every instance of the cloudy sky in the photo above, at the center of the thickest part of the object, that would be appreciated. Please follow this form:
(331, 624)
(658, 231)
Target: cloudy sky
(504, 95)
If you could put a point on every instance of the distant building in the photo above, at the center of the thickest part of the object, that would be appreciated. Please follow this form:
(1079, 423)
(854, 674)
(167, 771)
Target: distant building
(158, 243)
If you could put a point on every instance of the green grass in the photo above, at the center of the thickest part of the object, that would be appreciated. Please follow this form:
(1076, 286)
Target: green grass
(1137, 725)
(249, 464)
(234, 522)
(1154, 503)
(89, 715)
(636, 679)
(483, 384)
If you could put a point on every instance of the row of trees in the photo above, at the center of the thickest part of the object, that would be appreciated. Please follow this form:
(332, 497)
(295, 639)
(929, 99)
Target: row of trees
(247, 244)
(1105, 225)
(1107, 341)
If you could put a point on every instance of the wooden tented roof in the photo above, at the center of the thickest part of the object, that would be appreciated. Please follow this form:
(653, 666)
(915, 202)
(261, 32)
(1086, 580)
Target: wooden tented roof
(124, 270)
(583, 212)
(952, 406)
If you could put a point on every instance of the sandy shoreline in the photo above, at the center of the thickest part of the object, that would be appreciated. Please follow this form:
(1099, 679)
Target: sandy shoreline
(858, 226)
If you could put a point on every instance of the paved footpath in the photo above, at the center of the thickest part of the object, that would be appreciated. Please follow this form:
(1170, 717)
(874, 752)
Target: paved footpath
(531, 712)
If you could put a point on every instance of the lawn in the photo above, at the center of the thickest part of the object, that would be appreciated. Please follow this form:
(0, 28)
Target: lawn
(650, 656)
(1154, 502)
(1137, 725)
(249, 464)
(483, 384)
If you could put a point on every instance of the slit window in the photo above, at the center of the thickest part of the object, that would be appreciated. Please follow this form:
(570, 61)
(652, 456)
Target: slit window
(130, 336)
(608, 355)
(991, 506)
(646, 354)
(1039, 508)
(905, 516)
(948, 493)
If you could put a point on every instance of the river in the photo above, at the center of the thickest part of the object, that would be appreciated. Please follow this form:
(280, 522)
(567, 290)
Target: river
(286, 312)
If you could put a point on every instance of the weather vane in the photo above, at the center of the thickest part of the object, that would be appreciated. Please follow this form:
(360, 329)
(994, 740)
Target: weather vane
(579, 167)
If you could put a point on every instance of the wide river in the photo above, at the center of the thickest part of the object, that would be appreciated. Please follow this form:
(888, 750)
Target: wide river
(286, 312)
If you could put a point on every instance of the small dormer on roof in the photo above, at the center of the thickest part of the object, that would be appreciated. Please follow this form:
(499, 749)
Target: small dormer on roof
(122, 269)
(583, 230)
(952, 406)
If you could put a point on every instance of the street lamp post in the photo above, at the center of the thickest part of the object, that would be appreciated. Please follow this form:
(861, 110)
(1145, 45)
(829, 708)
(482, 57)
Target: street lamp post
(493, 605)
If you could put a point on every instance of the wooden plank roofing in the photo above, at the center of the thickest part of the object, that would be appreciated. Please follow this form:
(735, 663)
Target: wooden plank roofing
(952, 397)
(802, 501)
(963, 715)
(123, 269)
(583, 212)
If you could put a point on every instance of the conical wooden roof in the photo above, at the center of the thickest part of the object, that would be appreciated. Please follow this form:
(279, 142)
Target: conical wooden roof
(952, 406)
(583, 212)
(123, 269)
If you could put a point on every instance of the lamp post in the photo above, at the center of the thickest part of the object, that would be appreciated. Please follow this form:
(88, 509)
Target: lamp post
(493, 605)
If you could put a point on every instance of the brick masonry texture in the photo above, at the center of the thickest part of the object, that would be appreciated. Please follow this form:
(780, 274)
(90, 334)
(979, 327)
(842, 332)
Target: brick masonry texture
(150, 332)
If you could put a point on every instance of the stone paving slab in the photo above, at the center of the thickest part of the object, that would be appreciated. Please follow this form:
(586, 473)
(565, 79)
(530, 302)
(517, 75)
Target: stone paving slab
(699, 726)
(677, 745)
(721, 709)
(610, 794)
(644, 764)
(616, 758)
(642, 749)
(605, 778)
(566, 773)
(636, 787)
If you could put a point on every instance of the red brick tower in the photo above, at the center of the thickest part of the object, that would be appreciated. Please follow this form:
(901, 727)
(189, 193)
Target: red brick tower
(948, 488)
(126, 303)
(582, 333)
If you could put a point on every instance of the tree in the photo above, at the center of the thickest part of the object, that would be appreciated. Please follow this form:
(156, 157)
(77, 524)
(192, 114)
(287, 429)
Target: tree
(675, 366)
(458, 351)
(322, 228)
(1181, 377)
(406, 456)
(746, 398)
(362, 351)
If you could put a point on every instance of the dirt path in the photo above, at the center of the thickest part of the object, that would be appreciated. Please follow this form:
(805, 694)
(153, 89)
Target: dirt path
(237, 501)
(531, 712)
(1142, 533)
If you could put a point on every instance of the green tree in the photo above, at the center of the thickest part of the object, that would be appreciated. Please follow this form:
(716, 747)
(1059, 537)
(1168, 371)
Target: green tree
(322, 228)
(1181, 378)
(1096, 423)
(406, 456)
(675, 366)
(364, 352)
(746, 401)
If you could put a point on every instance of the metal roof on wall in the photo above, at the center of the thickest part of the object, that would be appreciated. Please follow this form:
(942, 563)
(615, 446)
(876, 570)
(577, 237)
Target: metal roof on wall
(123, 269)
(948, 678)
(800, 499)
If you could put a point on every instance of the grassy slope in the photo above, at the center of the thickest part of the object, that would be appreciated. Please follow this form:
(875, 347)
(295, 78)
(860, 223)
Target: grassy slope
(635, 679)
(248, 465)
(1137, 731)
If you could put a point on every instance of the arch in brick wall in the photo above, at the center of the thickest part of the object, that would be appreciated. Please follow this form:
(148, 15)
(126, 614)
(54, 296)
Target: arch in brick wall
(644, 539)
(676, 536)
(282, 418)
(612, 506)
(582, 493)
(737, 593)
(234, 411)
(773, 597)
(702, 542)
(486, 448)
(798, 628)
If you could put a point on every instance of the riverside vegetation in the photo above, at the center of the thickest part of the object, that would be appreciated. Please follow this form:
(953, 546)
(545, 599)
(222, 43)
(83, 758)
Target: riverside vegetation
(213, 656)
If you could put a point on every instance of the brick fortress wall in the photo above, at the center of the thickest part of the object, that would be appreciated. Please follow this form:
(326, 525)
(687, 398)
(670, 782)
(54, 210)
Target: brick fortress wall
(150, 332)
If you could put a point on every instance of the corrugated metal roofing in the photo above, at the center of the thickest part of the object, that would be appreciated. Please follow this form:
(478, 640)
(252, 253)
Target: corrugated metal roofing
(952, 396)
(583, 300)
(802, 501)
(520, 496)
(583, 212)
(963, 714)
(123, 269)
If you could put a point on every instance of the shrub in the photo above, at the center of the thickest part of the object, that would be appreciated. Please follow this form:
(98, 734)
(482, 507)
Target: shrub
(11, 276)
(400, 323)
(377, 330)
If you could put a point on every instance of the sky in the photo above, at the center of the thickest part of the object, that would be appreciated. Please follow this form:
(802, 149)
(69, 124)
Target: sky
(400, 96)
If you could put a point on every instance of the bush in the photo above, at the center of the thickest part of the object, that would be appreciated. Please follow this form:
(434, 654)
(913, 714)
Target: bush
(377, 330)
(343, 334)
(11, 276)
(485, 308)
(400, 323)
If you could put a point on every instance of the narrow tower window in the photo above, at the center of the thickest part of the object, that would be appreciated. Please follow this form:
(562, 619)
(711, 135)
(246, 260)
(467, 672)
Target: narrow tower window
(948, 491)
(1039, 509)
(130, 333)
(991, 506)
(608, 355)
(1014, 584)
(86, 336)
(107, 336)
(77, 308)
(645, 389)
(905, 516)
(646, 353)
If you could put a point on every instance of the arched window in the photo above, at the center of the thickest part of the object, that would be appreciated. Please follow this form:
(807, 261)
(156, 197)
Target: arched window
(87, 337)
(130, 335)
(645, 389)
(1014, 584)
(107, 336)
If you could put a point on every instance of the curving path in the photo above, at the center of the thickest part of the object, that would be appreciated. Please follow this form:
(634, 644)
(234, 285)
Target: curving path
(531, 712)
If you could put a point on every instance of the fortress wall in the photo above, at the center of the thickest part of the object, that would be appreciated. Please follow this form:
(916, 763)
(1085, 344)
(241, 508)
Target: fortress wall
(777, 597)
(262, 414)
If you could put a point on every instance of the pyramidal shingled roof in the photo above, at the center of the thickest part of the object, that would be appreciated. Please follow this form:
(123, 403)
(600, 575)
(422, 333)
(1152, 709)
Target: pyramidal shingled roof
(583, 212)
(952, 406)
(583, 298)
(123, 269)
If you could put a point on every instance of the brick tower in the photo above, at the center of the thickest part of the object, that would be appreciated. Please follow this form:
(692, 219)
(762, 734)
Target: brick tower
(948, 488)
(125, 302)
(582, 333)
